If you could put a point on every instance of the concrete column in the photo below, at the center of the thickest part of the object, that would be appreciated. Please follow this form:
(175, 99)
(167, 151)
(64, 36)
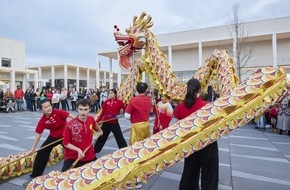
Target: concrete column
(12, 81)
(111, 73)
(39, 73)
(52, 76)
(88, 78)
(105, 78)
(97, 79)
(200, 63)
(98, 73)
(78, 78)
(65, 76)
(170, 56)
(35, 77)
(24, 83)
(274, 49)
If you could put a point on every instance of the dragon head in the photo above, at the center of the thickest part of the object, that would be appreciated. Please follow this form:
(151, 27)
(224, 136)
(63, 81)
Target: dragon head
(134, 40)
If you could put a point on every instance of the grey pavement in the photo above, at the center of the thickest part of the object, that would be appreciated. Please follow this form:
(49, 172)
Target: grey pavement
(248, 158)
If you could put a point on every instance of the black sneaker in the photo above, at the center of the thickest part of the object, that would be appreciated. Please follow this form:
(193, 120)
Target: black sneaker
(27, 181)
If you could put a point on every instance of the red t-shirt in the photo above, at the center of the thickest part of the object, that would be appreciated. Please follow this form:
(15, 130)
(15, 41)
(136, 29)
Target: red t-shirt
(139, 108)
(55, 123)
(80, 134)
(181, 112)
(111, 109)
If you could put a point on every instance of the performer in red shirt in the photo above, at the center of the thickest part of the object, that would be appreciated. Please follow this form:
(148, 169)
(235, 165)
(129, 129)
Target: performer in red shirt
(54, 121)
(111, 109)
(138, 111)
(78, 137)
(164, 114)
(204, 161)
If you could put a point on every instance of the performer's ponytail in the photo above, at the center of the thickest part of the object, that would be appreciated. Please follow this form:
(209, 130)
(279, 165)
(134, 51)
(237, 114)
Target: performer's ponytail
(193, 87)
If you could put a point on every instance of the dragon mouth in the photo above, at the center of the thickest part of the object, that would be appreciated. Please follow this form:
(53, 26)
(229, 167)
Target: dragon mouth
(125, 44)
(128, 44)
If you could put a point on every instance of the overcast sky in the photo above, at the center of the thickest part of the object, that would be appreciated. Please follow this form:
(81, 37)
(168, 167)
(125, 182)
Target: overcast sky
(73, 31)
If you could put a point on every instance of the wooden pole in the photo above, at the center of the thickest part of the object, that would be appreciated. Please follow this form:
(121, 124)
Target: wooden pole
(58, 140)
(78, 159)
(101, 122)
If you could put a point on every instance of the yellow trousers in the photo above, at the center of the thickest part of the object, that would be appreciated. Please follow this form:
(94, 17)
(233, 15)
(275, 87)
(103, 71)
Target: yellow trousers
(139, 131)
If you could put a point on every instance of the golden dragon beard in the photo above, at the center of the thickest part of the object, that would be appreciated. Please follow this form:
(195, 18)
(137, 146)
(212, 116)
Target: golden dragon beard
(236, 107)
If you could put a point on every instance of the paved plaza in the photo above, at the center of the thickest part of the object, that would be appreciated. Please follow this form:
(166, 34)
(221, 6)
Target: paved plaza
(248, 158)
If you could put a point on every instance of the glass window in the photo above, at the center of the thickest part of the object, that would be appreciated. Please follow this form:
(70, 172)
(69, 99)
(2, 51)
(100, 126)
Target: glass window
(59, 83)
(184, 76)
(6, 62)
(83, 83)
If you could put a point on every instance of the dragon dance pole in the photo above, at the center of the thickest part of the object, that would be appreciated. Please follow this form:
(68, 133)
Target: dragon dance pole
(132, 72)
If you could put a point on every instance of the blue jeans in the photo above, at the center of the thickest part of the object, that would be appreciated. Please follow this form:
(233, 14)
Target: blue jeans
(261, 122)
(19, 104)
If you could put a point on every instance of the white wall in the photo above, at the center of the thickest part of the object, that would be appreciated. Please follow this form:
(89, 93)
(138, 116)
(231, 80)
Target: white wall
(46, 73)
(184, 60)
(71, 73)
(262, 54)
(58, 72)
(283, 51)
(14, 50)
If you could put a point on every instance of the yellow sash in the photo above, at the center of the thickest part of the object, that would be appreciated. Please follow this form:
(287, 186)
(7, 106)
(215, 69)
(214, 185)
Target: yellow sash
(139, 131)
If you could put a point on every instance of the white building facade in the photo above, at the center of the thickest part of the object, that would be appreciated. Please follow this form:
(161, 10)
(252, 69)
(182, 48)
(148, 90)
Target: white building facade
(186, 51)
(13, 71)
(74, 76)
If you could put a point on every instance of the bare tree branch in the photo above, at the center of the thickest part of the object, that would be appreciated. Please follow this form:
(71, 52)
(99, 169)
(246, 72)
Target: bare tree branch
(242, 49)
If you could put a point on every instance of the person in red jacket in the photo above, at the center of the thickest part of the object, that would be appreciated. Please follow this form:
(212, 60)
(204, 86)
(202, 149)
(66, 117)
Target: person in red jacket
(18, 96)
(78, 137)
(163, 113)
(110, 110)
(204, 161)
